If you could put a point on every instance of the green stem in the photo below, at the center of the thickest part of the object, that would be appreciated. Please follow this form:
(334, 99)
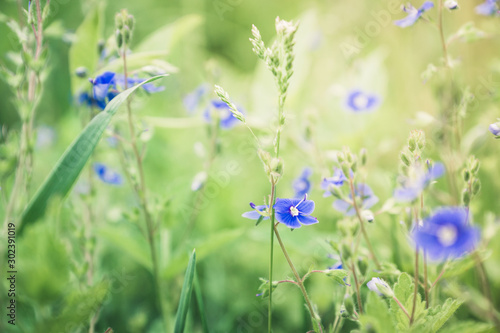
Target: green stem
(362, 226)
(314, 316)
(401, 306)
(271, 254)
(141, 193)
(356, 284)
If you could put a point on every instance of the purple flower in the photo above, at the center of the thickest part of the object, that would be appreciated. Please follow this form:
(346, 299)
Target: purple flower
(446, 234)
(107, 175)
(413, 14)
(192, 100)
(254, 214)
(487, 8)
(295, 212)
(364, 198)
(360, 101)
(413, 187)
(302, 185)
(495, 129)
(337, 179)
(337, 265)
(227, 119)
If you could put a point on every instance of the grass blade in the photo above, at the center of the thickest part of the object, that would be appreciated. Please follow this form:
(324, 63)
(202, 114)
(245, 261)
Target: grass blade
(187, 289)
(201, 305)
(68, 168)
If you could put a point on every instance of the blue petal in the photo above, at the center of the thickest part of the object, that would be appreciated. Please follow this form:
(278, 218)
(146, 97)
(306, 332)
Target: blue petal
(307, 219)
(288, 220)
(408, 20)
(306, 207)
(341, 205)
(407, 194)
(426, 6)
(107, 175)
(283, 205)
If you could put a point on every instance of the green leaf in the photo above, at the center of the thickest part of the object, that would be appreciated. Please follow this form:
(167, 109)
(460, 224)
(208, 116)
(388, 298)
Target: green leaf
(403, 291)
(68, 168)
(338, 275)
(469, 327)
(377, 315)
(187, 289)
(438, 315)
(84, 50)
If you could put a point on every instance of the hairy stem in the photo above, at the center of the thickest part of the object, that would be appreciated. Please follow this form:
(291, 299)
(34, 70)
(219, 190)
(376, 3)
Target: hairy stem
(356, 284)
(401, 306)
(362, 225)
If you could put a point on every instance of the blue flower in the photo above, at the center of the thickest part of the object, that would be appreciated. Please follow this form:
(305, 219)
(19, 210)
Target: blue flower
(337, 179)
(107, 175)
(302, 185)
(495, 129)
(227, 119)
(192, 100)
(337, 265)
(413, 187)
(254, 214)
(413, 14)
(380, 287)
(364, 198)
(295, 212)
(487, 8)
(446, 234)
(107, 86)
(451, 4)
(360, 101)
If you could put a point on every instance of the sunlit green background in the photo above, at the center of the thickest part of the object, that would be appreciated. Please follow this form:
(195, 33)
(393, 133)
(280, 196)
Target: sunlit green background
(232, 253)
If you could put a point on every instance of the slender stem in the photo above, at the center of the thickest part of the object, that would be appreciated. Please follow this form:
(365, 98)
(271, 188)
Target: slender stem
(358, 294)
(486, 288)
(401, 306)
(416, 278)
(314, 316)
(441, 33)
(271, 256)
(426, 283)
(361, 223)
(141, 193)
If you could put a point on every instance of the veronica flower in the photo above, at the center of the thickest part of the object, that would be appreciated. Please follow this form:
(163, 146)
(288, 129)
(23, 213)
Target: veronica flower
(108, 85)
(365, 199)
(413, 14)
(361, 101)
(107, 175)
(227, 119)
(337, 179)
(495, 129)
(192, 100)
(451, 4)
(421, 179)
(487, 8)
(302, 185)
(295, 212)
(255, 214)
(446, 234)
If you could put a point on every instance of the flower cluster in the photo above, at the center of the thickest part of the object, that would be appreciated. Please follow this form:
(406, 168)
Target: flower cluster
(413, 14)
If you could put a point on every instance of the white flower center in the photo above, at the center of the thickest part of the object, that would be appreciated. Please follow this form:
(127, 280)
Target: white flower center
(294, 211)
(360, 101)
(447, 235)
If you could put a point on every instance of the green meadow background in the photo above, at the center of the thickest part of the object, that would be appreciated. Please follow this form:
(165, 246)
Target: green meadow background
(340, 45)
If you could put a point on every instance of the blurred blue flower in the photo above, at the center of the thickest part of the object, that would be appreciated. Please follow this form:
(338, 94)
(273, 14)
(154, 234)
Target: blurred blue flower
(107, 86)
(413, 187)
(337, 265)
(295, 212)
(488, 8)
(192, 100)
(45, 136)
(364, 198)
(302, 185)
(337, 179)
(254, 214)
(495, 129)
(227, 119)
(360, 101)
(107, 175)
(413, 14)
(451, 4)
(446, 234)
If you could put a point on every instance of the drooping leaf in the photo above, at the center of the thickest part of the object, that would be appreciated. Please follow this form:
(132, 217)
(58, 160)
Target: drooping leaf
(68, 168)
(187, 289)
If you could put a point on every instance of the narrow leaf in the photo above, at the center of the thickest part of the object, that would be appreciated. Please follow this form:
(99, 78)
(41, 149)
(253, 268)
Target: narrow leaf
(68, 168)
(201, 305)
(187, 288)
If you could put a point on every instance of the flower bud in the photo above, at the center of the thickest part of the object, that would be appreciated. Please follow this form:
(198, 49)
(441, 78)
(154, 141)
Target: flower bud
(451, 4)
(81, 72)
(405, 159)
(349, 305)
(380, 287)
(363, 156)
(363, 266)
(476, 186)
(119, 38)
(118, 21)
(466, 175)
(346, 252)
(495, 129)
(466, 197)
(130, 21)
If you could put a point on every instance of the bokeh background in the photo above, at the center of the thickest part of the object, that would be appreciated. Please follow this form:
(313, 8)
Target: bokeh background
(341, 45)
